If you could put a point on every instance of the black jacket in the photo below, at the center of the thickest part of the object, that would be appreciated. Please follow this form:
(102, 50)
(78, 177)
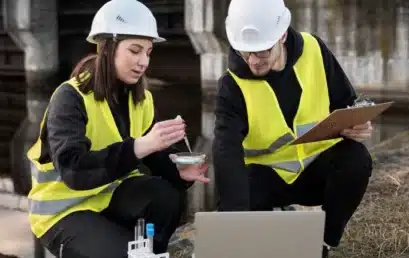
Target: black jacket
(231, 116)
(65, 143)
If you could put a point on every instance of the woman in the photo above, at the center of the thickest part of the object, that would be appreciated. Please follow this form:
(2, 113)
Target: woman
(99, 128)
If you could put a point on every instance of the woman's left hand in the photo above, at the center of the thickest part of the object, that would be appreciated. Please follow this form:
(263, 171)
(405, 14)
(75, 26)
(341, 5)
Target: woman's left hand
(194, 172)
(359, 133)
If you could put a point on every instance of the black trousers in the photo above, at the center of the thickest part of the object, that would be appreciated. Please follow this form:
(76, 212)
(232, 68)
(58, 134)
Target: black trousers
(106, 234)
(337, 180)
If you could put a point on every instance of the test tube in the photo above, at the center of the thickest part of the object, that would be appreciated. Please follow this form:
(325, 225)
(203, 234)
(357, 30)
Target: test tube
(139, 230)
(141, 226)
(150, 233)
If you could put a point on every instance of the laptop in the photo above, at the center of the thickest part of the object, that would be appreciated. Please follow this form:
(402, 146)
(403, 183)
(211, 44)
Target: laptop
(280, 234)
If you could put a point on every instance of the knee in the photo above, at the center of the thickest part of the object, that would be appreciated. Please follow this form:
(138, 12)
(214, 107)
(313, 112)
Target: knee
(169, 200)
(357, 160)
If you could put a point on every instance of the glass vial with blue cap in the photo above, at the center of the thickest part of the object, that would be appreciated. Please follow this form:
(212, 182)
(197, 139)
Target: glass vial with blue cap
(150, 233)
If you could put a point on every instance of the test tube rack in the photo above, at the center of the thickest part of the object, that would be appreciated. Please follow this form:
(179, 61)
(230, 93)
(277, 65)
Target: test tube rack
(139, 249)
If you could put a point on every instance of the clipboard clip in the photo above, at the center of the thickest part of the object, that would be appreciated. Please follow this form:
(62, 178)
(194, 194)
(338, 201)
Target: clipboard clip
(362, 101)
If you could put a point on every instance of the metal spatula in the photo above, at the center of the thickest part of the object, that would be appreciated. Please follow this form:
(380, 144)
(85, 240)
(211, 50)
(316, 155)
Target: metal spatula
(186, 139)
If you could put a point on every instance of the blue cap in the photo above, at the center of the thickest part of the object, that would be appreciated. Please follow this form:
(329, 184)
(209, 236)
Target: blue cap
(150, 230)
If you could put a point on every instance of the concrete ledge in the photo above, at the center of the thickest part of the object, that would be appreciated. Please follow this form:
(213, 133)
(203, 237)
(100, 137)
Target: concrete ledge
(401, 98)
(9, 200)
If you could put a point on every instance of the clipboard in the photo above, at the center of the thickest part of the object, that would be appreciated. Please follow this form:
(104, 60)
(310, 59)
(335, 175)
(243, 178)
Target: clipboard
(341, 119)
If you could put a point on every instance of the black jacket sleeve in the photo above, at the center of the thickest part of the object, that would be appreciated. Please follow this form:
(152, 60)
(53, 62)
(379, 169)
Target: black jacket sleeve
(80, 168)
(231, 174)
(340, 88)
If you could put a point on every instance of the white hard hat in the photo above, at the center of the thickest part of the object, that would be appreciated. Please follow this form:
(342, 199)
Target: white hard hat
(124, 17)
(256, 25)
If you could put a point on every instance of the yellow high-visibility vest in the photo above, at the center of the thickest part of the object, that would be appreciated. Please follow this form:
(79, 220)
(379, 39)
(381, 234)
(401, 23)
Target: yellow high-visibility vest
(268, 138)
(50, 198)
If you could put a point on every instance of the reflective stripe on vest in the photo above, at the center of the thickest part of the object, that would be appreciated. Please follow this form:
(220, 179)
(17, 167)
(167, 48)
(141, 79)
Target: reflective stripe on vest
(45, 176)
(283, 140)
(302, 129)
(309, 160)
(294, 166)
(50, 207)
(291, 166)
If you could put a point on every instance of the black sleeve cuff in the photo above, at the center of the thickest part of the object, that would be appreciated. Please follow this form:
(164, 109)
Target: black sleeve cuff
(121, 159)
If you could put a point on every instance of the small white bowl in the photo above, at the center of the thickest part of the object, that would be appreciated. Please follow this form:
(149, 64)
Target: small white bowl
(187, 158)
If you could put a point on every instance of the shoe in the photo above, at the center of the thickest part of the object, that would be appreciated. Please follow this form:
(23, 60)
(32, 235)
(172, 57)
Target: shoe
(325, 252)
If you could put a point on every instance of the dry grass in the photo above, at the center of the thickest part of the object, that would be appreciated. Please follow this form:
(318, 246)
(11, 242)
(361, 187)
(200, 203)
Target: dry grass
(380, 227)
(400, 140)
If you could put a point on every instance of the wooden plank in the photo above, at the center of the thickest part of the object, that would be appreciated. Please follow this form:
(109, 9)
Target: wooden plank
(7, 72)
(15, 66)
(91, 7)
(5, 168)
(17, 86)
(4, 148)
(10, 100)
(6, 132)
(8, 45)
(155, 8)
(12, 117)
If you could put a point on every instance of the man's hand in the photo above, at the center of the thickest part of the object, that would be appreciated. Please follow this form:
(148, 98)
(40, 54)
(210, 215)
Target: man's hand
(359, 133)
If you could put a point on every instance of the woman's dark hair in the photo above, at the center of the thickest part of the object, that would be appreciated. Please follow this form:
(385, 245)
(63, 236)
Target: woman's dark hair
(103, 81)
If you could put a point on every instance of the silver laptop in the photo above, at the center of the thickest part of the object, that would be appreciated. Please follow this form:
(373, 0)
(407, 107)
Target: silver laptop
(280, 234)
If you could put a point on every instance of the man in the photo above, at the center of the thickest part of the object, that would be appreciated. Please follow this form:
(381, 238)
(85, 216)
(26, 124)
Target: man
(279, 84)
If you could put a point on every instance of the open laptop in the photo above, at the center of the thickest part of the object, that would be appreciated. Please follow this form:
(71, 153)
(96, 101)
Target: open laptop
(279, 234)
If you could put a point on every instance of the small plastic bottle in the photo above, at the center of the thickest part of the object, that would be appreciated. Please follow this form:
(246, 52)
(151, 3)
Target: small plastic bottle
(150, 233)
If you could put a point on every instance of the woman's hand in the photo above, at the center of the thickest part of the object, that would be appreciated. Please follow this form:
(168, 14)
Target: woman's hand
(162, 135)
(193, 172)
(359, 133)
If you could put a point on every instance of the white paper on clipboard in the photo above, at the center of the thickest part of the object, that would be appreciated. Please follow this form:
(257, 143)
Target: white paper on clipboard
(341, 119)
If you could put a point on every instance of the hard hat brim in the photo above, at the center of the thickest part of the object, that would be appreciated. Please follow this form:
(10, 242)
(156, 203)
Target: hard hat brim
(158, 40)
(92, 38)
(246, 47)
(253, 48)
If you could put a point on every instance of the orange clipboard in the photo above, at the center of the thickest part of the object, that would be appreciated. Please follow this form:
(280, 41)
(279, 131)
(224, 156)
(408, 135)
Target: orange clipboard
(339, 120)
